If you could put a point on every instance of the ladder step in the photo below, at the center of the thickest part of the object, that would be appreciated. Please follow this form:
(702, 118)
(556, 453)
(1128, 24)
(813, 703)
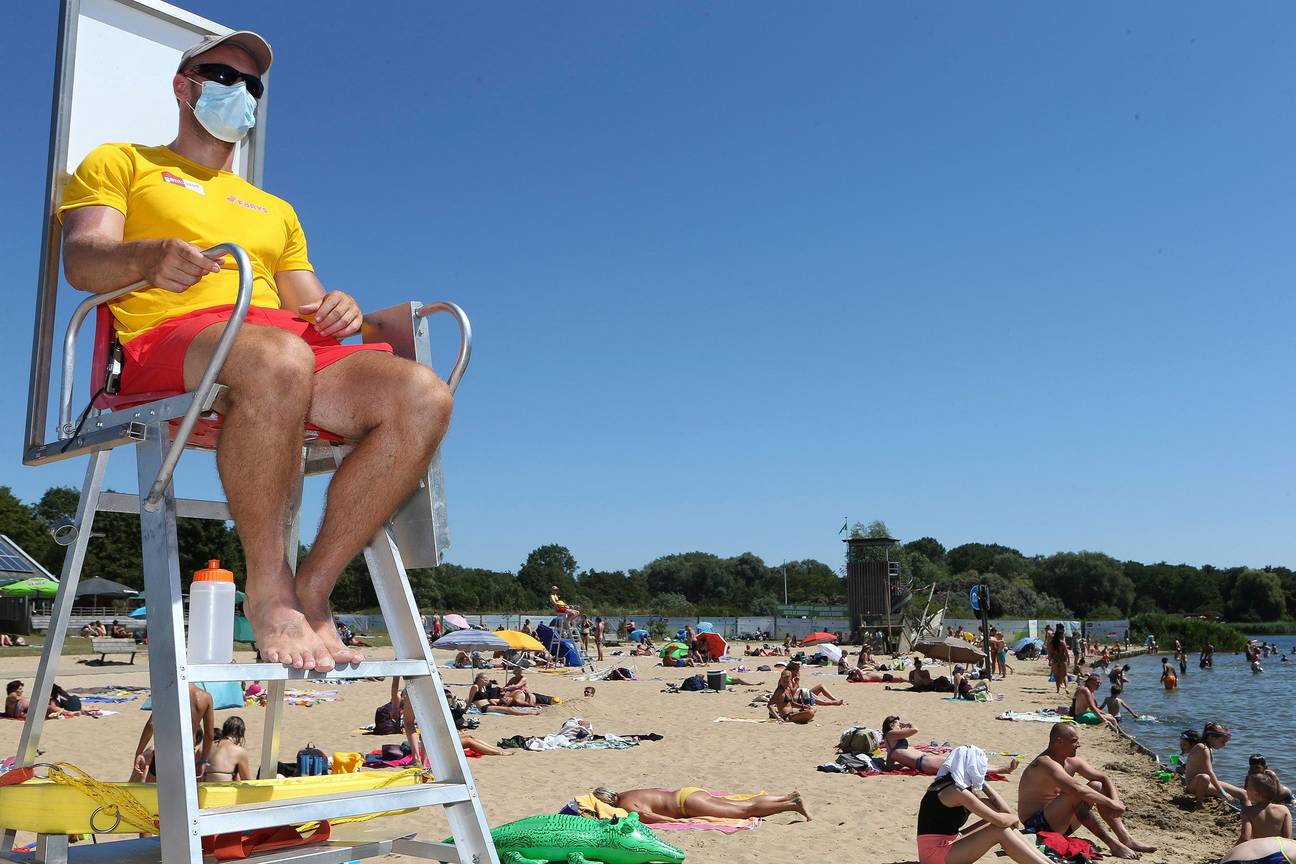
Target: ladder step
(199, 672)
(249, 817)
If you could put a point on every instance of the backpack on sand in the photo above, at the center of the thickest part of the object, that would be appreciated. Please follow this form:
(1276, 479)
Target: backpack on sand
(859, 739)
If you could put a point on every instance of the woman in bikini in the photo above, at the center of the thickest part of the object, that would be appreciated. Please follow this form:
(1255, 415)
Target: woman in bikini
(489, 698)
(895, 734)
(693, 804)
(229, 759)
(1059, 660)
(1268, 850)
(960, 791)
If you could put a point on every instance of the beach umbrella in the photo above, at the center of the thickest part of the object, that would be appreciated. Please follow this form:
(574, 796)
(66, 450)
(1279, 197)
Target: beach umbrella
(519, 640)
(456, 621)
(674, 649)
(37, 586)
(141, 612)
(832, 652)
(816, 638)
(638, 635)
(105, 588)
(705, 627)
(712, 644)
(951, 648)
(472, 640)
(1027, 640)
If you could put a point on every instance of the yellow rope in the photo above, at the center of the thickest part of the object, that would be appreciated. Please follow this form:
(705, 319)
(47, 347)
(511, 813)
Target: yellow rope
(115, 801)
(423, 775)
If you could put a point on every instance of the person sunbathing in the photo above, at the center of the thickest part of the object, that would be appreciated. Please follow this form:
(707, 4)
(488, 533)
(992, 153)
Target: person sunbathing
(784, 707)
(7, 641)
(960, 791)
(415, 741)
(693, 804)
(516, 691)
(816, 695)
(229, 758)
(964, 688)
(16, 704)
(899, 753)
(488, 697)
(855, 675)
(1268, 850)
(921, 680)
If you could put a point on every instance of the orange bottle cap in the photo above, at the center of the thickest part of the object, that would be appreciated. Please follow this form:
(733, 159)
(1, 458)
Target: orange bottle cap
(213, 573)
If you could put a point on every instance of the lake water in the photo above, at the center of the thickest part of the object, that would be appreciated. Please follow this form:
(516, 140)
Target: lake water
(1257, 708)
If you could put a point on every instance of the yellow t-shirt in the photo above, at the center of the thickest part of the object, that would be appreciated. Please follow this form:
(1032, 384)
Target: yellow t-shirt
(162, 194)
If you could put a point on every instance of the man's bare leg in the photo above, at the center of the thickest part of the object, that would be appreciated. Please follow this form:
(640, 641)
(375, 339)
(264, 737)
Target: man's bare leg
(268, 373)
(1113, 819)
(399, 411)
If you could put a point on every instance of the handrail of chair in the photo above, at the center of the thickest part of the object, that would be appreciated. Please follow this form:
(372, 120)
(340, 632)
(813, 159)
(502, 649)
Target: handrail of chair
(465, 337)
(223, 345)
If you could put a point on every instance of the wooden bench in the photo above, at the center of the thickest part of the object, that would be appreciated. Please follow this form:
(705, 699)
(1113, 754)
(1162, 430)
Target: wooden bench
(104, 647)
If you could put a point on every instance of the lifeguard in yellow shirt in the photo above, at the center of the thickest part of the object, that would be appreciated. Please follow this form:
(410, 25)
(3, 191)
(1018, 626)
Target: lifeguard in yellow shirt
(134, 212)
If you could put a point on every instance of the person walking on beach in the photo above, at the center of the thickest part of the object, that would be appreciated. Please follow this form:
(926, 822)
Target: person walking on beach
(600, 632)
(1059, 792)
(1059, 660)
(958, 792)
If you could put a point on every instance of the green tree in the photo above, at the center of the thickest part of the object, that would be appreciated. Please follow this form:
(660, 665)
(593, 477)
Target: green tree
(929, 547)
(547, 566)
(19, 524)
(1257, 596)
(1085, 581)
(981, 557)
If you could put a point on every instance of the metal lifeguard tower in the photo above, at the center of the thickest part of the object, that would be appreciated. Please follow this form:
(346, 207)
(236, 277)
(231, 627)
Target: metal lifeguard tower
(114, 59)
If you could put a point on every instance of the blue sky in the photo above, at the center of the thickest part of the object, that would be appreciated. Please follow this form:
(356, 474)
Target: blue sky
(1010, 273)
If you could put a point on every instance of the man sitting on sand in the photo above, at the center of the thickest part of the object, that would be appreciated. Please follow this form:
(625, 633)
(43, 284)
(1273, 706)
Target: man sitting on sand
(693, 804)
(1084, 705)
(1059, 792)
(923, 682)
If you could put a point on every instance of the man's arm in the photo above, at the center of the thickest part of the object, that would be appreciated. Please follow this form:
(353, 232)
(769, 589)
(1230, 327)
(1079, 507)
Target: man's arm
(97, 260)
(332, 313)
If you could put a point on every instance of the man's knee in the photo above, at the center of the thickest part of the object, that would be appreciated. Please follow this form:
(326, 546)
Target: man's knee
(270, 362)
(425, 400)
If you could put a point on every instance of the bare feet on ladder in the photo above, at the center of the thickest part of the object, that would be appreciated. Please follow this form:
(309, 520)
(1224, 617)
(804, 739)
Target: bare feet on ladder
(282, 631)
(320, 618)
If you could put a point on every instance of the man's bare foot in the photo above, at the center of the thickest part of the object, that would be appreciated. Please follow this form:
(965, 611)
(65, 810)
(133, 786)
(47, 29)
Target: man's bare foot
(799, 806)
(1140, 847)
(1120, 851)
(283, 635)
(320, 617)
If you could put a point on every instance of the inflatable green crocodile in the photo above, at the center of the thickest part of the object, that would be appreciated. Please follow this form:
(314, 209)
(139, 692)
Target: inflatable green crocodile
(577, 840)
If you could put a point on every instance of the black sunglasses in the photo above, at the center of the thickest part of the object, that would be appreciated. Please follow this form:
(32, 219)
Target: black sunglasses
(228, 75)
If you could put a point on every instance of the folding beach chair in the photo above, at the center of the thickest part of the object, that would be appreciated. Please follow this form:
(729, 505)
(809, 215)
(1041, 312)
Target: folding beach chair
(114, 59)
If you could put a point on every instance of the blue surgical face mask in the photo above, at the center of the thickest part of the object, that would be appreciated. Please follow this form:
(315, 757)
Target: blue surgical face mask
(227, 111)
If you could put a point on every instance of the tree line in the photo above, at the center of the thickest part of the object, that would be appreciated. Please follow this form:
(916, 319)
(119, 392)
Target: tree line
(1063, 585)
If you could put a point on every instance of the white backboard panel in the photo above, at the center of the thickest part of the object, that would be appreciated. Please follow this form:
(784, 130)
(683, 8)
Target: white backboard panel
(126, 55)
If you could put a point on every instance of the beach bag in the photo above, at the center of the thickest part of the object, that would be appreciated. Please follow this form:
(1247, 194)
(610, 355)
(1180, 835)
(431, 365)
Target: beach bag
(311, 761)
(858, 739)
(693, 682)
(387, 720)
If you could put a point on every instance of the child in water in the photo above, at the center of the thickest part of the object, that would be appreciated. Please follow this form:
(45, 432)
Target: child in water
(1113, 704)
(1168, 678)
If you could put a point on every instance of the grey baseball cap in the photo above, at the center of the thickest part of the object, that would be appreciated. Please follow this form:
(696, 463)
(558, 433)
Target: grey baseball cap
(250, 42)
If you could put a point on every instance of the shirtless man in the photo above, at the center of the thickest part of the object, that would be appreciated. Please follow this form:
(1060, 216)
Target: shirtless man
(202, 715)
(1059, 791)
(1084, 705)
(692, 804)
(600, 633)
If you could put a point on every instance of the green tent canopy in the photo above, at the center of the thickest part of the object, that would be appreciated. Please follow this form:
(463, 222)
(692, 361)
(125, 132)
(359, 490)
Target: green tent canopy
(37, 586)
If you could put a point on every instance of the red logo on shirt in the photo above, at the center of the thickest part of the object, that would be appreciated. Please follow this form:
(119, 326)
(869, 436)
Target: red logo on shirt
(171, 178)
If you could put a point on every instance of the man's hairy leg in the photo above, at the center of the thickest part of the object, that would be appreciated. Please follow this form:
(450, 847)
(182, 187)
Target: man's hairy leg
(268, 373)
(398, 411)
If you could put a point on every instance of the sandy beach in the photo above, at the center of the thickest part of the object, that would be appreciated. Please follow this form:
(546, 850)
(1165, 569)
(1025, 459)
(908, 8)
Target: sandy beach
(867, 820)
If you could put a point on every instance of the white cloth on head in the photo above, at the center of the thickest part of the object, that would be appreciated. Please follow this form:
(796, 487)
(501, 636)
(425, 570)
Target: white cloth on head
(966, 765)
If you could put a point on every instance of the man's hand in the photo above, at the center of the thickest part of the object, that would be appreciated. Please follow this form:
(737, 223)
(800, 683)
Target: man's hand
(336, 314)
(175, 265)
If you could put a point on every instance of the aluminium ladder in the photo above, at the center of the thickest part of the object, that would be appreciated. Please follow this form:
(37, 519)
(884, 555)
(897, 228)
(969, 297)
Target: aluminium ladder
(182, 823)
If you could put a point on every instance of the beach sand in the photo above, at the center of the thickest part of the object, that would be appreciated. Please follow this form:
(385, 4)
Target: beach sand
(864, 820)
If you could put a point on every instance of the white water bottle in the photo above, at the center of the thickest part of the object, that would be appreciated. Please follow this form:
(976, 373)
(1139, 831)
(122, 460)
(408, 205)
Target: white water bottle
(211, 615)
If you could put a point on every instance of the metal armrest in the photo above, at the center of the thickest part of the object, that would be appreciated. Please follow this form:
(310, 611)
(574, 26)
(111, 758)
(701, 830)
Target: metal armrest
(205, 383)
(465, 337)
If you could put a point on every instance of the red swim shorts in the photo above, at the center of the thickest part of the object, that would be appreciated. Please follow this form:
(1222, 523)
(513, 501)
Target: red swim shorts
(155, 360)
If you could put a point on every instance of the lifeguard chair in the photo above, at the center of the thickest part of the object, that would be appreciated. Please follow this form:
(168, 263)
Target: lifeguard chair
(115, 59)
